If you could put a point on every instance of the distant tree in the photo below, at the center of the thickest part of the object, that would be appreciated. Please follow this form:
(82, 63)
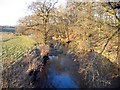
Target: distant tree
(28, 22)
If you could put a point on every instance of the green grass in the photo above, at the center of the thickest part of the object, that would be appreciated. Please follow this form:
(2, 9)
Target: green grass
(14, 49)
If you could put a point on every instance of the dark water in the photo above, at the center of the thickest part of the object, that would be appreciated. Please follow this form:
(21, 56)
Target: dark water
(61, 79)
(55, 77)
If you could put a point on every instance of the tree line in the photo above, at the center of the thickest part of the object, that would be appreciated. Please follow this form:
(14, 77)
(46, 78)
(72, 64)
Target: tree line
(94, 23)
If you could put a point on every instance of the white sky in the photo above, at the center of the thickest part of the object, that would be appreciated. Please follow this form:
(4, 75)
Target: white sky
(12, 10)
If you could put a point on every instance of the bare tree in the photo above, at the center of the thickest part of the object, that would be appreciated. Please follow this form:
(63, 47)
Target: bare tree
(113, 9)
(43, 10)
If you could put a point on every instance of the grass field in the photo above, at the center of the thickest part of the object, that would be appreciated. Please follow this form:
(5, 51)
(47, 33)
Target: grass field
(14, 47)
(6, 36)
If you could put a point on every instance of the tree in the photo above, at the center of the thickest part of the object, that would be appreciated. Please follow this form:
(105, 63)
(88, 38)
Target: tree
(113, 9)
(43, 10)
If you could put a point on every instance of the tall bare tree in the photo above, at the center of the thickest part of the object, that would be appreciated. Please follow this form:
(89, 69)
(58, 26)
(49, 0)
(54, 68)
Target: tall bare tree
(43, 10)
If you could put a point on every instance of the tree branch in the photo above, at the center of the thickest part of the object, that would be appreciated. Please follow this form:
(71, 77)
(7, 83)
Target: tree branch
(108, 40)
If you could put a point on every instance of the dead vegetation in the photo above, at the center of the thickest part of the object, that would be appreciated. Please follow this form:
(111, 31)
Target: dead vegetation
(97, 70)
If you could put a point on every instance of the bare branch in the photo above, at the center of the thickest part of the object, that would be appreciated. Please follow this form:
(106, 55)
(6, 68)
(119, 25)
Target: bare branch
(108, 40)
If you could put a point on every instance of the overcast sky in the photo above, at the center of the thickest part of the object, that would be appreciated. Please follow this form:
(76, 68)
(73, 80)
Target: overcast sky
(12, 10)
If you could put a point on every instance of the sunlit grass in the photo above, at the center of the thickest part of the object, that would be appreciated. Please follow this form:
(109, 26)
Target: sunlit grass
(14, 49)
